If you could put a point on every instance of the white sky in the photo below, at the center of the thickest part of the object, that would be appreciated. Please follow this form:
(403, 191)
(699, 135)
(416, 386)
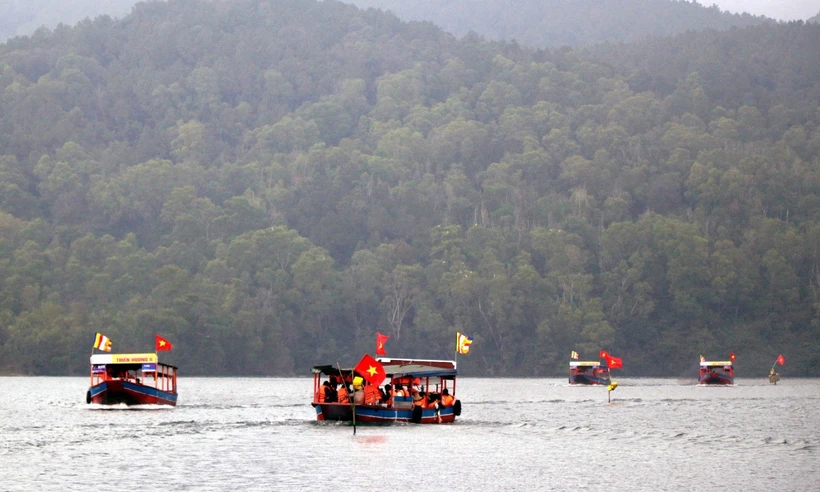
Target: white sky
(777, 9)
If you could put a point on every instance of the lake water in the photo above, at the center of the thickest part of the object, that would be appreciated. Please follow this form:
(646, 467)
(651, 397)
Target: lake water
(514, 434)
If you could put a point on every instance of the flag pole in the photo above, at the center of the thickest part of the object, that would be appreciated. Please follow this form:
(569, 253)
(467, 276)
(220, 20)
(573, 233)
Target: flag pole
(351, 395)
(456, 350)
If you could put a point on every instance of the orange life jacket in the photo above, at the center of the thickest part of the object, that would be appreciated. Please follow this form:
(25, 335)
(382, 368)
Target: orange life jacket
(372, 395)
(343, 398)
(398, 392)
(448, 400)
(320, 395)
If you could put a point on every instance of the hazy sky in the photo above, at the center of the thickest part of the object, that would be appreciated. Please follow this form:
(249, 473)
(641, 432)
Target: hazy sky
(776, 9)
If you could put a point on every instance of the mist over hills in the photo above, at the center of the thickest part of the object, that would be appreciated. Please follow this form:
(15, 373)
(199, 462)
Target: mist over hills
(556, 23)
(267, 184)
(23, 17)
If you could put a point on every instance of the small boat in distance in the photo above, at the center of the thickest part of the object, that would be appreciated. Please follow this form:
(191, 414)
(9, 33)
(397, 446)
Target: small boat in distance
(588, 372)
(716, 372)
(132, 379)
(432, 380)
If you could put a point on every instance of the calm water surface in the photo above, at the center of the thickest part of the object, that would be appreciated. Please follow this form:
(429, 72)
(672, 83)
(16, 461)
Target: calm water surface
(514, 434)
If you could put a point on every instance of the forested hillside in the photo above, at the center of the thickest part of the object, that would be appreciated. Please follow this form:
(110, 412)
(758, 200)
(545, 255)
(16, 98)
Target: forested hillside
(556, 23)
(268, 183)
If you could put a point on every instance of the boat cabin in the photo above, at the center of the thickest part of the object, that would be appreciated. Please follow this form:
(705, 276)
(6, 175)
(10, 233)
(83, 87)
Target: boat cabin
(432, 380)
(131, 379)
(588, 372)
(716, 372)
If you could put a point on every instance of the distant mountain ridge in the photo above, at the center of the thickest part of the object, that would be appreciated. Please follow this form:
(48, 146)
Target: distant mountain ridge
(23, 17)
(555, 23)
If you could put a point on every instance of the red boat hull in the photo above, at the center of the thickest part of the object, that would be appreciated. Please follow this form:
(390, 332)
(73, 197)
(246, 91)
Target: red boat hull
(115, 392)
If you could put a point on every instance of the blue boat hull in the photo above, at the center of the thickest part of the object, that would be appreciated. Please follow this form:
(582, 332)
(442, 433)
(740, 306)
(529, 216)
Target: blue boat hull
(115, 392)
(382, 415)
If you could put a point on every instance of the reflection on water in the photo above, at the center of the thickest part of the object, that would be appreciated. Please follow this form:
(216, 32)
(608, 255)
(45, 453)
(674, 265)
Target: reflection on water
(514, 434)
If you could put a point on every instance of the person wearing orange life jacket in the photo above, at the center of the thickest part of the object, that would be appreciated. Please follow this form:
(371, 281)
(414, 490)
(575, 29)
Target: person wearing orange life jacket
(418, 400)
(343, 394)
(398, 391)
(446, 398)
(321, 395)
(372, 395)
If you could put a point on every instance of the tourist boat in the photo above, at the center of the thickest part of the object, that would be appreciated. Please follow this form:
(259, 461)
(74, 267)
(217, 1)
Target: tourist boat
(132, 379)
(716, 372)
(426, 376)
(588, 372)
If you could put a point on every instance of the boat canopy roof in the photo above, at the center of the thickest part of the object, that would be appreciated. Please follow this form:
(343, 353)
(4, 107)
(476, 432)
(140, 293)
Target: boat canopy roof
(107, 359)
(716, 363)
(582, 363)
(418, 367)
(402, 367)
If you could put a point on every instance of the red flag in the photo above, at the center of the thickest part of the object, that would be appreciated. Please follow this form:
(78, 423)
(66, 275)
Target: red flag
(603, 354)
(163, 344)
(370, 369)
(614, 362)
(781, 360)
(732, 356)
(380, 340)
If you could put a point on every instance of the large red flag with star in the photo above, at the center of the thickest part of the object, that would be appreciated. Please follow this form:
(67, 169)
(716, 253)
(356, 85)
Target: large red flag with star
(614, 362)
(163, 344)
(370, 369)
(380, 340)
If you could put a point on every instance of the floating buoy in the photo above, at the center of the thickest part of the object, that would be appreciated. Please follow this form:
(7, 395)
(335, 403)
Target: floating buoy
(609, 389)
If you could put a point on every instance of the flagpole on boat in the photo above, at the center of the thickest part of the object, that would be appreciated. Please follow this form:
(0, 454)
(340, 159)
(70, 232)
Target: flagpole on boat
(350, 396)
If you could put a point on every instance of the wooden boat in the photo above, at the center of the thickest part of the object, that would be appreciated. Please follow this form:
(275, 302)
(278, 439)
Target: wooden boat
(716, 372)
(431, 377)
(588, 372)
(774, 377)
(132, 379)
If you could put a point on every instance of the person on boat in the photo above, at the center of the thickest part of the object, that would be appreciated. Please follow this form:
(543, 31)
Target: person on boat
(358, 390)
(432, 401)
(418, 399)
(331, 395)
(372, 395)
(321, 395)
(397, 390)
(387, 395)
(446, 398)
(343, 394)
